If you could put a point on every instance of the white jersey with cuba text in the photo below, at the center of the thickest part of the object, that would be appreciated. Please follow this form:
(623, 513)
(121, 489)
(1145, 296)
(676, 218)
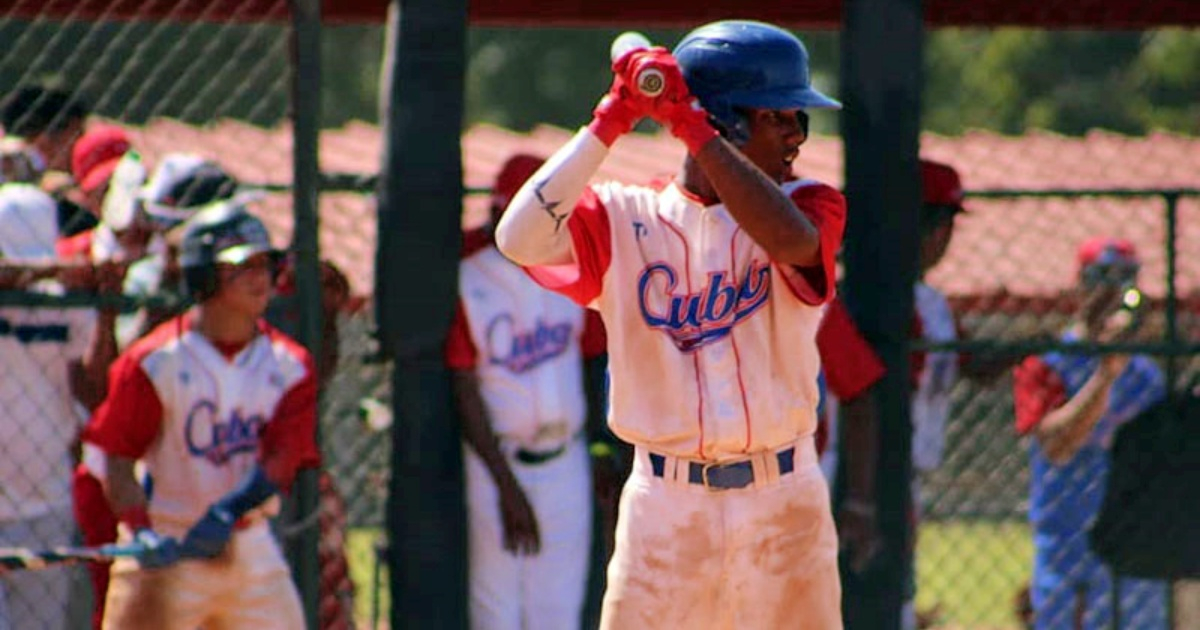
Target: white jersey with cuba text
(528, 344)
(712, 352)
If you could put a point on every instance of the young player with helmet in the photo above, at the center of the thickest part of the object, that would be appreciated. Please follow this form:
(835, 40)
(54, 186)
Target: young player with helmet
(711, 290)
(221, 408)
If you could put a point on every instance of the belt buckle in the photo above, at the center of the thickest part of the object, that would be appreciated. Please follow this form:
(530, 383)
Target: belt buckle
(704, 474)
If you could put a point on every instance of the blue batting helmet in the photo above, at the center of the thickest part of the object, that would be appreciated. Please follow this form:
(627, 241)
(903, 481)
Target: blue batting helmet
(740, 63)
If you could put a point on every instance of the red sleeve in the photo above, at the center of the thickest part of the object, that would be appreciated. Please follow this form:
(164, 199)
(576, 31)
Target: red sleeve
(594, 341)
(591, 237)
(129, 419)
(826, 208)
(1037, 390)
(460, 352)
(289, 441)
(77, 246)
(850, 364)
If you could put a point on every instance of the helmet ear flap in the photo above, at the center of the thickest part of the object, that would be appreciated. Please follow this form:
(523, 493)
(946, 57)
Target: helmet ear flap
(200, 281)
(730, 122)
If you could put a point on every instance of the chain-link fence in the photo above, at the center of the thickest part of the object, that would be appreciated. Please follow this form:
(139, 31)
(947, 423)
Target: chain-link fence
(216, 85)
(1016, 272)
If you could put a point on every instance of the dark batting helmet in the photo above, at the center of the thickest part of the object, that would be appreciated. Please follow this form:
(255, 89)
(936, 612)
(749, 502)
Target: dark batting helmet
(744, 64)
(222, 233)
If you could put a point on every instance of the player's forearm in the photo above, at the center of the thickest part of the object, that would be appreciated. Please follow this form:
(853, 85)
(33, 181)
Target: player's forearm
(759, 206)
(477, 429)
(533, 230)
(121, 486)
(1065, 430)
(92, 387)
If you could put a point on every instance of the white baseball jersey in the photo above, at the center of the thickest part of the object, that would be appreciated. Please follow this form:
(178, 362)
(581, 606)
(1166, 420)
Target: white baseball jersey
(528, 362)
(935, 382)
(38, 421)
(197, 416)
(711, 343)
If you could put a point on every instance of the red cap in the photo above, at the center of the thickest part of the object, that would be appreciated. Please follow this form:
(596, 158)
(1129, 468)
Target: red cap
(941, 185)
(1106, 250)
(95, 155)
(513, 175)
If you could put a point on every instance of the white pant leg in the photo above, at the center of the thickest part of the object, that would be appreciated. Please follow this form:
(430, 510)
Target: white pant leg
(556, 579)
(782, 570)
(495, 590)
(259, 594)
(667, 568)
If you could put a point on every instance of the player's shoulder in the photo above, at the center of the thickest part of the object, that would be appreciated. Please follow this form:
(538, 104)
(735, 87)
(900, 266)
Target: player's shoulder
(162, 336)
(812, 190)
(286, 348)
(622, 196)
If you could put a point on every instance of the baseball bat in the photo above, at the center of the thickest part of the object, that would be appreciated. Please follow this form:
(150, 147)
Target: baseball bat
(20, 558)
(648, 79)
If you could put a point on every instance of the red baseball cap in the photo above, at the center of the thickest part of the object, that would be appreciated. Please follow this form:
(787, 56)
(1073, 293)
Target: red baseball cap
(941, 185)
(96, 154)
(515, 172)
(1106, 250)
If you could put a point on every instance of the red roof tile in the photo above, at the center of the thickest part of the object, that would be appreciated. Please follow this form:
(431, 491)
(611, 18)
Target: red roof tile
(1022, 246)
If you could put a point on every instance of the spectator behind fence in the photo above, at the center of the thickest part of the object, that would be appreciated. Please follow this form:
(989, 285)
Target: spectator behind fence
(48, 358)
(50, 120)
(336, 606)
(517, 352)
(136, 215)
(1072, 405)
(221, 408)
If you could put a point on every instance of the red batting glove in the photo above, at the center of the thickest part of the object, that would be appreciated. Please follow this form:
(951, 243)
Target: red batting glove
(676, 108)
(623, 106)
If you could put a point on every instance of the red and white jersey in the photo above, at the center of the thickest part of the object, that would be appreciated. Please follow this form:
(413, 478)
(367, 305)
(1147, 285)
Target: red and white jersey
(526, 345)
(199, 416)
(38, 422)
(935, 378)
(712, 351)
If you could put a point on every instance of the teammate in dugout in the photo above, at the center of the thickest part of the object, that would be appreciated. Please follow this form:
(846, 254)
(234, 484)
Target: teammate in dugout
(52, 357)
(221, 408)
(1072, 405)
(710, 289)
(517, 352)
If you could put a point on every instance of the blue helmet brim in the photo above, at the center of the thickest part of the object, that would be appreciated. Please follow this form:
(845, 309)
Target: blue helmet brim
(796, 98)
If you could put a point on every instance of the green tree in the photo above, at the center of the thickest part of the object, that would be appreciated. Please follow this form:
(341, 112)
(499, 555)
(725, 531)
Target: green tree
(1011, 80)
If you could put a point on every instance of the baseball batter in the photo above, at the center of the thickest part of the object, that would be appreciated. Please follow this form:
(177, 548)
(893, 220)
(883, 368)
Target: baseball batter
(710, 288)
(221, 408)
(517, 352)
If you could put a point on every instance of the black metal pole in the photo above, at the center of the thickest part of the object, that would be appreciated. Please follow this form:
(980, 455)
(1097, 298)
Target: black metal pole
(416, 287)
(882, 42)
(306, 127)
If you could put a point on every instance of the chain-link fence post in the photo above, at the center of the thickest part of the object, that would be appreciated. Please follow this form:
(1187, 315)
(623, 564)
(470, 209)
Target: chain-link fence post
(420, 206)
(306, 127)
(881, 86)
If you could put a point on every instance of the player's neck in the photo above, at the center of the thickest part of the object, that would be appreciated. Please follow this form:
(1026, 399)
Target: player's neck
(225, 326)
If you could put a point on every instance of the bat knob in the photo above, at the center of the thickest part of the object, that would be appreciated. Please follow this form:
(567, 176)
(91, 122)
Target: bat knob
(651, 82)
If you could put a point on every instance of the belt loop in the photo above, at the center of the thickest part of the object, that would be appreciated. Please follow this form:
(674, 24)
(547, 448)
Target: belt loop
(673, 462)
(758, 464)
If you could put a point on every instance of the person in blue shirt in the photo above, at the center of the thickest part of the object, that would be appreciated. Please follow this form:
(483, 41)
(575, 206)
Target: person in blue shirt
(1072, 405)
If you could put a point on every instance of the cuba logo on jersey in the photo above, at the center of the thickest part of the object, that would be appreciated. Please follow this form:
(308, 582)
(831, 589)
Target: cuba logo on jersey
(694, 320)
(522, 350)
(217, 441)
